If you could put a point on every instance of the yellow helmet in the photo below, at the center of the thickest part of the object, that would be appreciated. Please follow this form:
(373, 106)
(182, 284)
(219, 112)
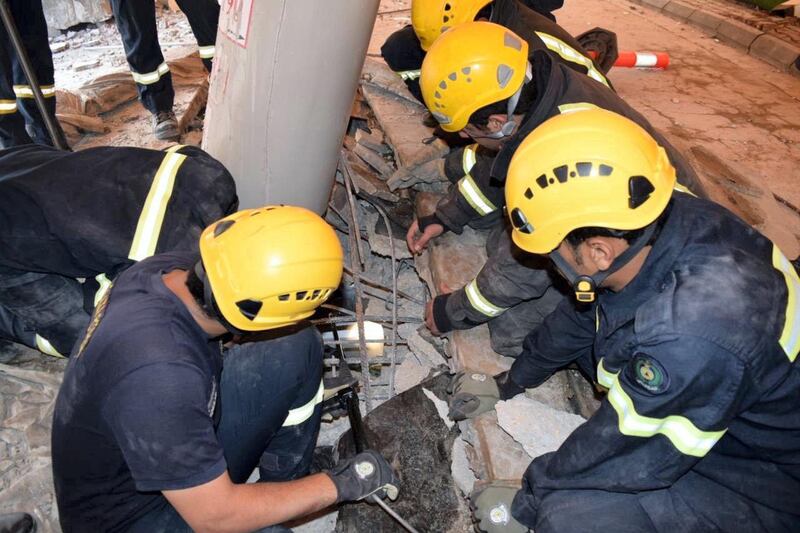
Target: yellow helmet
(431, 18)
(470, 67)
(269, 267)
(590, 168)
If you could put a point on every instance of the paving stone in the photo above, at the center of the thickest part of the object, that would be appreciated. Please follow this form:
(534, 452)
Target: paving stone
(678, 10)
(737, 33)
(775, 51)
(536, 426)
(706, 20)
(657, 4)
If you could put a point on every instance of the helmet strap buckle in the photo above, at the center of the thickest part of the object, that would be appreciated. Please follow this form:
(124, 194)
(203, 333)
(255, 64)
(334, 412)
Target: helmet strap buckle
(508, 128)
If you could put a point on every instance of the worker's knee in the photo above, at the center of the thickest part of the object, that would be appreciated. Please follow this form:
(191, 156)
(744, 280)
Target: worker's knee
(587, 511)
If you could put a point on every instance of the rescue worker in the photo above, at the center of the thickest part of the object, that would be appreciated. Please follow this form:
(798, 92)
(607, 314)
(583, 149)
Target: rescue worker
(88, 215)
(157, 426)
(404, 50)
(502, 90)
(136, 22)
(691, 321)
(20, 119)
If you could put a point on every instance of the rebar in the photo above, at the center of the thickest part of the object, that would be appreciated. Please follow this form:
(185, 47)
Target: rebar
(378, 285)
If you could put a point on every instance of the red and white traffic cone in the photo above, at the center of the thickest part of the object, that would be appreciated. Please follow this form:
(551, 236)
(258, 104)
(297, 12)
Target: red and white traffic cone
(640, 59)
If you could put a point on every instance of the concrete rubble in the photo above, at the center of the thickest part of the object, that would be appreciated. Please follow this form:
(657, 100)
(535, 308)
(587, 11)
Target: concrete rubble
(536, 426)
(63, 14)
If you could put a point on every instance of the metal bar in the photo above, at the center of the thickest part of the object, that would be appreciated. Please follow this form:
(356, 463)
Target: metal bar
(351, 202)
(370, 318)
(378, 285)
(53, 127)
(385, 506)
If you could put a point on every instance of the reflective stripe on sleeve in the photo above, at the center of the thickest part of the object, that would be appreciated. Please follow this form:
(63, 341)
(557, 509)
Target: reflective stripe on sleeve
(7, 107)
(207, 52)
(790, 336)
(408, 75)
(578, 106)
(25, 91)
(149, 78)
(44, 346)
(300, 414)
(148, 228)
(474, 197)
(479, 302)
(470, 158)
(680, 431)
(573, 56)
(604, 377)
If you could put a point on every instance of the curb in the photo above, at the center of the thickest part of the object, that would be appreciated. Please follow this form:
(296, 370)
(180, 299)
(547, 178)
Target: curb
(766, 47)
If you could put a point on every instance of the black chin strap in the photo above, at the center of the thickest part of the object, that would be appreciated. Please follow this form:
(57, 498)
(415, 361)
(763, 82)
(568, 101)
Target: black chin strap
(585, 287)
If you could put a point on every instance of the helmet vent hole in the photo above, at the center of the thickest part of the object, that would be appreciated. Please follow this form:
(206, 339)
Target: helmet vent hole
(249, 308)
(222, 227)
(300, 295)
(606, 170)
(512, 41)
(584, 169)
(639, 188)
(315, 294)
(528, 193)
(561, 173)
(466, 71)
(437, 94)
(448, 7)
(284, 297)
(504, 74)
(541, 181)
(443, 85)
(452, 76)
(445, 19)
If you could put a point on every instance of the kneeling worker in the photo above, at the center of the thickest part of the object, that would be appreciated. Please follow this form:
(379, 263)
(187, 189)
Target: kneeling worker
(693, 326)
(157, 426)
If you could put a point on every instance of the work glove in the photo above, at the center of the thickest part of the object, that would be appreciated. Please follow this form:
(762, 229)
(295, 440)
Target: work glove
(361, 476)
(491, 507)
(427, 172)
(474, 393)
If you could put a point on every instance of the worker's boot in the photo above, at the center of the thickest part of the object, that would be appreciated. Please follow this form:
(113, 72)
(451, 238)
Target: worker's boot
(165, 126)
(17, 523)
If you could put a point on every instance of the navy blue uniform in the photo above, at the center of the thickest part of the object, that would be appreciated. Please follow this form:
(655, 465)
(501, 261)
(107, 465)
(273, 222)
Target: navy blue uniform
(530, 19)
(91, 214)
(139, 408)
(701, 426)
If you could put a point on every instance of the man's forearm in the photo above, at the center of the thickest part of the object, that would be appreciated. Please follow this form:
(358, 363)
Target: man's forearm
(223, 507)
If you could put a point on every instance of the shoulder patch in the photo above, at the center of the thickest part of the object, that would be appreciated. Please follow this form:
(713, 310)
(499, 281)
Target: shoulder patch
(648, 373)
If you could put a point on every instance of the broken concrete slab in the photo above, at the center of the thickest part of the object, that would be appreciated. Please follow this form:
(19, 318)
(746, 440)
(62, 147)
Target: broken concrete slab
(374, 141)
(377, 73)
(421, 348)
(410, 373)
(380, 243)
(554, 392)
(375, 160)
(27, 398)
(63, 14)
(84, 123)
(460, 468)
(497, 455)
(365, 179)
(86, 65)
(536, 426)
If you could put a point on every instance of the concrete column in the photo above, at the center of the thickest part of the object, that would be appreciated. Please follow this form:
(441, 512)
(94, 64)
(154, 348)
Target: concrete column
(281, 93)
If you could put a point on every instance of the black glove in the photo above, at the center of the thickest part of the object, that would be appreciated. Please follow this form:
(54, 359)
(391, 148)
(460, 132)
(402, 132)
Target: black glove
(474, 393)
(365, 474)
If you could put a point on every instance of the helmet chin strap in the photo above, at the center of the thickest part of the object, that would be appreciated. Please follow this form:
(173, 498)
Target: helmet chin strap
(508, 128)
(585, 287)
(209, 303)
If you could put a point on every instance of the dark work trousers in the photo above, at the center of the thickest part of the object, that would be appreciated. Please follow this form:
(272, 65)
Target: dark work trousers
(17, 106)
(693, 504)
(43, 311)
(261, 382)
(404, 55)
(136, 21)
(508, 330)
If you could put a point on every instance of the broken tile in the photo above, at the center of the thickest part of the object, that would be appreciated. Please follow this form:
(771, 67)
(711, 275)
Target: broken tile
(536, 426)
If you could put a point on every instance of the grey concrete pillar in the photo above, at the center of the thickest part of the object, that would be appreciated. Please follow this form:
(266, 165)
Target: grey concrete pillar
(284, 79)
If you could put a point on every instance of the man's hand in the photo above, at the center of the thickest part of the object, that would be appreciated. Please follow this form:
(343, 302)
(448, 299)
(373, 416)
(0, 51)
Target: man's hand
(492, 508)
(418, 240)
(363, 475)
(473, 393)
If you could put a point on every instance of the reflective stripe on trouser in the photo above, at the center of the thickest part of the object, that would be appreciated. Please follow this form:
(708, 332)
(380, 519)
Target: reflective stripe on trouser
(207, 52)
(300, 414)
(25, 91)
(790, 335)
(45, 347)
(148, 228)
(680, 431)
(7, 107)
(409, 75)
(149, 78)
(568, 53)
(479, 302)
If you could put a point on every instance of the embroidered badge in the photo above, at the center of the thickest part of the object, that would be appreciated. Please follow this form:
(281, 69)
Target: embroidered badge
(650, 374)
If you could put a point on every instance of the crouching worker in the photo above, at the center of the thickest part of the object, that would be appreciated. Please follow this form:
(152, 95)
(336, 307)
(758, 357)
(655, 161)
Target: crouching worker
(158, 424)
(692, 327)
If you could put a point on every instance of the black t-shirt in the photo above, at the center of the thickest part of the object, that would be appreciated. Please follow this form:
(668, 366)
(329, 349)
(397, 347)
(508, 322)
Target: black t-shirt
(135, 414)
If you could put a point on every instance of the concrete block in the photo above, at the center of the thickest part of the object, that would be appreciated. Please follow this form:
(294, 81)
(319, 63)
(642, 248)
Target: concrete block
(499, 456)
(62, 14)
(471, 349)
(678, 10)
(655, 4)
(738, 33)
(775, 51)
(537, 427)
(706, 20)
